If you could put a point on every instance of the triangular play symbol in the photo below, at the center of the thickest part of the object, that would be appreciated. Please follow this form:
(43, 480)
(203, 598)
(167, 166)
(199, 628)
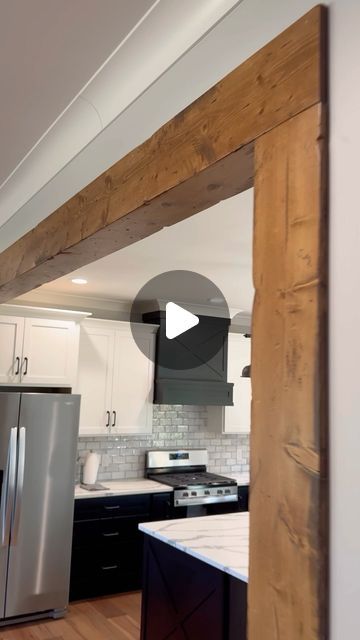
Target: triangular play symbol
(178, 320)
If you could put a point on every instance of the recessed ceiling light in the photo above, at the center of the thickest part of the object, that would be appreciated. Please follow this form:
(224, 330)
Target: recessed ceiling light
(79, 281)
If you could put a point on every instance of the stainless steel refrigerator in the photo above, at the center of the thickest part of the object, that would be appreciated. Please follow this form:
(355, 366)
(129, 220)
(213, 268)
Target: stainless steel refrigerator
(38, 443)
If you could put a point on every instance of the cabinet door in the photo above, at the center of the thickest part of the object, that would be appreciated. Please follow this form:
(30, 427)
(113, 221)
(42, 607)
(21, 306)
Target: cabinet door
(11, 343)
(107, 546)
(133, 383)
(95, 372)
(50, 352)
(237, 419)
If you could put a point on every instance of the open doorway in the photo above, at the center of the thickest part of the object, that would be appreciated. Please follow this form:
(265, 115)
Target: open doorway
(217, 244)
(121, 420)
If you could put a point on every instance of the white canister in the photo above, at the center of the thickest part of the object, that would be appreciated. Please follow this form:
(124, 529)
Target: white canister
(91, 467)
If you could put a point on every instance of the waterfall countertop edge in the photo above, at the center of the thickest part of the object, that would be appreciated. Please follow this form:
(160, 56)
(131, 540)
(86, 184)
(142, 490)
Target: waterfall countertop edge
(221, 541)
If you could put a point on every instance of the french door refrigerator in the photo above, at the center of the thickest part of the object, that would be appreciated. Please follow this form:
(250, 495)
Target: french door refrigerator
(38, 444)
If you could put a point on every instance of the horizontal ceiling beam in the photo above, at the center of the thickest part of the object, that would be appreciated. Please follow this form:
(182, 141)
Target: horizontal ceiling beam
(164, 180)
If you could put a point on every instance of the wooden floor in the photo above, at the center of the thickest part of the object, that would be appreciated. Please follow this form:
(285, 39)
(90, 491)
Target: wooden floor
(111, 618)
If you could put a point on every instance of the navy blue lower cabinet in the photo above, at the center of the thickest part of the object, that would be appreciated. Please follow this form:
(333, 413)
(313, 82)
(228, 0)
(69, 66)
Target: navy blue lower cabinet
(107, 548)
(187, 599)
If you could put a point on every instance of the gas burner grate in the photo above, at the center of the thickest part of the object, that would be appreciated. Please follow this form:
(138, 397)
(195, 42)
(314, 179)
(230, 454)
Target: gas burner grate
(202, 479)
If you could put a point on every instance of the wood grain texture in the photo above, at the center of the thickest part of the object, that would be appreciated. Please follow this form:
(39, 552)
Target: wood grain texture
(224, 179)
(288, 585)
(182, 168)
(114, 618)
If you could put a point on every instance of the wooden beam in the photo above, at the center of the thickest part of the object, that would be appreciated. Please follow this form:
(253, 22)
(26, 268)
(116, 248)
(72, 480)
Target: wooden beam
(224, 179)
(288, 586)
(147, 189)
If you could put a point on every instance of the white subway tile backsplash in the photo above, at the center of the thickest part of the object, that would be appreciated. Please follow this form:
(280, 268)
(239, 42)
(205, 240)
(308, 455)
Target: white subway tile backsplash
(173, 426)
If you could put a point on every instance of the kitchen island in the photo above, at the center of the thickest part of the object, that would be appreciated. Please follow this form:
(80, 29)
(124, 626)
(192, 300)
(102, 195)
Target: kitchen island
(195, 578)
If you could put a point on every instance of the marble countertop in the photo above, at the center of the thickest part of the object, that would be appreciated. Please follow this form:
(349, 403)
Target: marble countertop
(221, 541)
(123, 488)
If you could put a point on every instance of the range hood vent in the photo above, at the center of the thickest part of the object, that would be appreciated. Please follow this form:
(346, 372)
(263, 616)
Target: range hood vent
(190, 369)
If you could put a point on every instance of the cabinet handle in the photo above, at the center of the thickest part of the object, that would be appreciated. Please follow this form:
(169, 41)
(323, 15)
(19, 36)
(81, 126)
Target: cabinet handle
(108, 419)
(26, 362)
(116, 506)
(113, 566)
(17, 360)
(114, 419)
(111, 535)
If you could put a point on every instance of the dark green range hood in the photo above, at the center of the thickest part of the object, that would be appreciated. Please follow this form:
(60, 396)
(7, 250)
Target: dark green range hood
(192, 368)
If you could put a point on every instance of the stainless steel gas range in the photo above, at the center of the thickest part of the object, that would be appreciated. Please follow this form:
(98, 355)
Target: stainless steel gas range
(186, 471)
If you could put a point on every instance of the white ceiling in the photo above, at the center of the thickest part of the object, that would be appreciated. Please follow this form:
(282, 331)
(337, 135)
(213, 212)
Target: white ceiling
(49, 49)
(71, 70)
(216, 243)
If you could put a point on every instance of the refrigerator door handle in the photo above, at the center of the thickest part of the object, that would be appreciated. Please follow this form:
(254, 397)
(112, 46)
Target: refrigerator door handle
(19, 485)
(8, 492)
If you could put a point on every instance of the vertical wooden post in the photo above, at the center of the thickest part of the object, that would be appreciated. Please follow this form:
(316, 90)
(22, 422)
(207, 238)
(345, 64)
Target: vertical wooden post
(288, 585)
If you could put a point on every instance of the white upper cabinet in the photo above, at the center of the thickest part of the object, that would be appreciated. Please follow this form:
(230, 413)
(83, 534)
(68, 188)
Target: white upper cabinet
(38, 351)
(237, 418)
(50, 352)
(11, 344)
(133, 383)
(115, 379)
(95, 376)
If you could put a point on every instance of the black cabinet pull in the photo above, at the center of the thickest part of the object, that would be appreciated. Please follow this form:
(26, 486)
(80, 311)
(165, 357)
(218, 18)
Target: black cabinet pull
(17, 360)
(108, 419)
(111, 568)
(114, 419)
(111, 535)
(26, 362)
(116, 506)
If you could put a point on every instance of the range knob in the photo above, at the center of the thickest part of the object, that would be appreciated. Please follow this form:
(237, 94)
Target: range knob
(207, 492)
(220, 491)
(185, 494)
(227, 491)
(193, 493)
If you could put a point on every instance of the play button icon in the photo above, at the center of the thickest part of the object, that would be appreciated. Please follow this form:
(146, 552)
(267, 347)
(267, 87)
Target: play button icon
(190, 317)
(178, 320)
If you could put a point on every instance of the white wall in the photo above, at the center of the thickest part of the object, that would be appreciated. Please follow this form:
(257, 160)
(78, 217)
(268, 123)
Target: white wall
(249, 27)
(345, 319)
